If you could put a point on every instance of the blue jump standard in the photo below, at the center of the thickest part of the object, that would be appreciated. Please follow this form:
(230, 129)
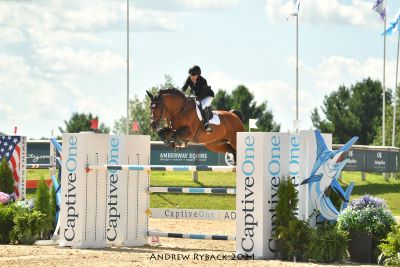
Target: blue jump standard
(163, 168)
(193, 190)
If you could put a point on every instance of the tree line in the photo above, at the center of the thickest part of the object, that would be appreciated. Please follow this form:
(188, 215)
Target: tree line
(354, 110)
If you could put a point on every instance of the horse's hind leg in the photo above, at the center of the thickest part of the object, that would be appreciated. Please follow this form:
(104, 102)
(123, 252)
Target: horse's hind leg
(220, 146)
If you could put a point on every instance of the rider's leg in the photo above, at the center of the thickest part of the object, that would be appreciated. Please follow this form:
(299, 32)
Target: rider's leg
(206, 105)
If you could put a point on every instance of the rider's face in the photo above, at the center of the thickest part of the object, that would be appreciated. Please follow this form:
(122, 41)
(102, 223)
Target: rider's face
(193, 78)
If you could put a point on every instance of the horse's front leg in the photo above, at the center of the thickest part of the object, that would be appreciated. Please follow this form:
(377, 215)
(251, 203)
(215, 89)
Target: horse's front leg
(166, 135)
(180, 136)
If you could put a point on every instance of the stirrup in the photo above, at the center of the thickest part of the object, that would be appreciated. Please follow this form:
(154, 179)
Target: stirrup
(208, 128)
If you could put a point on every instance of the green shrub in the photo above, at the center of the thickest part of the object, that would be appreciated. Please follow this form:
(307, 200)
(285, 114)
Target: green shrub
(294, 239)
(6, 178)
(6, 222)
(53, 205)
(328, 244)
(390, 248)
(291, 235)
(287, 203)
(28, 226)
(42, 204)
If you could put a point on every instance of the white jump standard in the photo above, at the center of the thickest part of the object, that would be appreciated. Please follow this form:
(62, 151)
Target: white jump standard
(105, 189)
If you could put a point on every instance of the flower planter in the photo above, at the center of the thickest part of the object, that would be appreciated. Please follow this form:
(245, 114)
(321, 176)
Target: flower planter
(360, 247)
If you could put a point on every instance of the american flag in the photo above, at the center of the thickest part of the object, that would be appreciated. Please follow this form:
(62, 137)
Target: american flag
(10, 148)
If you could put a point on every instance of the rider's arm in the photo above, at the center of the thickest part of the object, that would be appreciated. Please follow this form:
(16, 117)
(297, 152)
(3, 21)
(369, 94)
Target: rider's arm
(186, 85)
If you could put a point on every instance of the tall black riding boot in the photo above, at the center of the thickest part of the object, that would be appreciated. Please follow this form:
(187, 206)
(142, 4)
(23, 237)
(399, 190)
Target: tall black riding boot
(206, 118)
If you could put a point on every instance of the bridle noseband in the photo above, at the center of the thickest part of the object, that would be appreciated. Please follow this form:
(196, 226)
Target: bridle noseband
(160, 101)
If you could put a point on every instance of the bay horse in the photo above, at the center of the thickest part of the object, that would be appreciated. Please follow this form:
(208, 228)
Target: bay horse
(178, 113)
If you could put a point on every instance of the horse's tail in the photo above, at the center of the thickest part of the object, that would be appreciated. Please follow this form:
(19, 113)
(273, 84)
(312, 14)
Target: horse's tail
(237, 113)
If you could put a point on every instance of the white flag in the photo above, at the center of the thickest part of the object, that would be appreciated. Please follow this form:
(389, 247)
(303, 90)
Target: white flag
(252, 123)
(296, 8)
(380, 7)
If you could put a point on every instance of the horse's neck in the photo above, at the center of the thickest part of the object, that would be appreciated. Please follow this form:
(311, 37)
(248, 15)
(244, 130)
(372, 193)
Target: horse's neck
(175, 105)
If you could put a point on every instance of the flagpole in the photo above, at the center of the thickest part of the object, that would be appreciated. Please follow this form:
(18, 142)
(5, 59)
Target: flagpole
(297, 72)
(384, 85)
(395, 91)
(127, 65)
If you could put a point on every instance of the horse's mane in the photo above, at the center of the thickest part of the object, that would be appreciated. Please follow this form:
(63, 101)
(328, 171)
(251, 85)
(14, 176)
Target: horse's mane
(172, 91)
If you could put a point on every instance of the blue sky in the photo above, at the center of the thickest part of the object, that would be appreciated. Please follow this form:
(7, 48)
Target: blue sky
(59, 57)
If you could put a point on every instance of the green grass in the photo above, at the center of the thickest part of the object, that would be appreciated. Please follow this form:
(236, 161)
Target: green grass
(36, 174)
(194, 201)
(375, 185)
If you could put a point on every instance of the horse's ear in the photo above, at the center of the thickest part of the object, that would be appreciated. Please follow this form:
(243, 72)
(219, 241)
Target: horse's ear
(150, 95)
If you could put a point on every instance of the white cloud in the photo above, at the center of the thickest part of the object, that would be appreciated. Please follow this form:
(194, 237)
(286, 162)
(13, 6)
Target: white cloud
(337, 70)
(39, 105)
(281, 100)
(66, 59)
(280, 97)
(74, 15)
(219, 80)
(11, 35)
(208, 4)
(325, 77)
(154, 20)
(356, 12)
(41, 38)
(187, 5)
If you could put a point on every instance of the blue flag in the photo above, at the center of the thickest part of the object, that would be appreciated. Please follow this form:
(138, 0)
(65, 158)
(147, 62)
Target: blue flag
(394, 25)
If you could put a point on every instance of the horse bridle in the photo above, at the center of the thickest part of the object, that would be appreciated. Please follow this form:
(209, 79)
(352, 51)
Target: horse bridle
(153, 105)
(161, 101)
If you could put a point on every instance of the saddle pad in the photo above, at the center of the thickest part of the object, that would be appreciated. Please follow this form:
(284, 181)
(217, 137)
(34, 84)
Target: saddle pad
(214, 120)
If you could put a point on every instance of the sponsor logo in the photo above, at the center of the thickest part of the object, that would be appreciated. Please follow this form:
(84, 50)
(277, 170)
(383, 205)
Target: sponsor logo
(248, 168)
(70, 196)
(274, 170)
(229, 159)
(112, 203)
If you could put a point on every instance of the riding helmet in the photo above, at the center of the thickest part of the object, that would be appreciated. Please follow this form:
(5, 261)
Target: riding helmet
(195, 70)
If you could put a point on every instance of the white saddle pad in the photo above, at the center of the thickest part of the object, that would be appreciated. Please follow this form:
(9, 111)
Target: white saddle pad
(214, 120)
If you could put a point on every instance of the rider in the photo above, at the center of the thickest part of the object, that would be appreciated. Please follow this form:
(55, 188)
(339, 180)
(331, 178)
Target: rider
(204, 94)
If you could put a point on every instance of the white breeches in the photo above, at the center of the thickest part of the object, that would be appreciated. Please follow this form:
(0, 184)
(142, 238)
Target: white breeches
(206, 102)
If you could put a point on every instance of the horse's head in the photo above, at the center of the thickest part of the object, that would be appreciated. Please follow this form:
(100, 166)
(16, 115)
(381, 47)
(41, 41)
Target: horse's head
(166, 104)
(156, 110)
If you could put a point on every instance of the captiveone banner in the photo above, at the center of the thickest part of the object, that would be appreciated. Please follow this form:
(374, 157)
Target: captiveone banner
(264, 160)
